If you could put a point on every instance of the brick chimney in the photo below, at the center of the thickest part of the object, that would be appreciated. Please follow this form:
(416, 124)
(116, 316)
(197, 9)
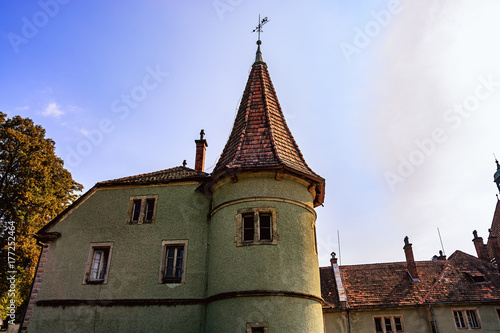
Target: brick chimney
(201, 147)
(481, 249)
(410, 261)
(339, 281)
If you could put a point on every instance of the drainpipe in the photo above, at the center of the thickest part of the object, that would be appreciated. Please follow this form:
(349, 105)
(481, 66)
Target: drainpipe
(433, 319)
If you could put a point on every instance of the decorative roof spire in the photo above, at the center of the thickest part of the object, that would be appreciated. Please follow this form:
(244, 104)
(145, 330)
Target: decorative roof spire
(260, 138)
(258, 55)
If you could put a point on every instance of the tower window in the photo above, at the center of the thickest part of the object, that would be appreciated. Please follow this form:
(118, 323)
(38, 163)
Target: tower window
(256, 226)
(142, 209)
(248, 227)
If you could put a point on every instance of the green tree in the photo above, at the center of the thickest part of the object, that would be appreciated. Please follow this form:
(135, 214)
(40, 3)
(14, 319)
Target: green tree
(34, 188)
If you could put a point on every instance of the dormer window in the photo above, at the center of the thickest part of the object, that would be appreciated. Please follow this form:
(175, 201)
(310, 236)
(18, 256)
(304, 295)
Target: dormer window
(256, 226)
(142, 209)
(477, 277)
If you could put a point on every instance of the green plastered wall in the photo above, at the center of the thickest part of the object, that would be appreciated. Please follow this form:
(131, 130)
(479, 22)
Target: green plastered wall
(414, 319)
(148, 319)
(291, 265)
(231, 315)
(136, 255)
(487, 314)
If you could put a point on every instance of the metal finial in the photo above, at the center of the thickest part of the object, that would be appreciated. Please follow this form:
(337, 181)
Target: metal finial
(259, 27)
(475, 233)
(407, 241)
(334, 255)
(184, 163)
(202, 134)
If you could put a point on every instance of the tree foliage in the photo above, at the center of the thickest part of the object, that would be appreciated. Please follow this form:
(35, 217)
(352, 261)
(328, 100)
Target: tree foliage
(34, 188)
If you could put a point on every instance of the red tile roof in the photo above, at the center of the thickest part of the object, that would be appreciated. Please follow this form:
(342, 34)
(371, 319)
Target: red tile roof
(158, 177)
(260, 137)
(455, 283)
(389, 285)
(328, 288)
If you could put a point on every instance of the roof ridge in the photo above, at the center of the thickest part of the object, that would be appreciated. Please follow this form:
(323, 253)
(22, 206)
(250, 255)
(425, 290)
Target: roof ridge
(433, 286)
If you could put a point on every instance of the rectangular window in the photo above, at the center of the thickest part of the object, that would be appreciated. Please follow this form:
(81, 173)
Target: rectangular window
(472, 319)
(378, 325)
(173, 262)
(466, 319)
(150, 208)
(256, 226)
(136, 211)
(388, 324)
(265, 225)
(248, 227)
(459, 319)
(142, 209)
(97, 267)
(398, 324)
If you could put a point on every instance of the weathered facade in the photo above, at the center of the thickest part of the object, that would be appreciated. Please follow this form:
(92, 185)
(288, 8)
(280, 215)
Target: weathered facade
(180, 250)
(461, 293)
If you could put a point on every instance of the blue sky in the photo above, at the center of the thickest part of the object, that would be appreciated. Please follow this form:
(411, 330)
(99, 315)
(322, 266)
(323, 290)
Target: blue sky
(394, 103)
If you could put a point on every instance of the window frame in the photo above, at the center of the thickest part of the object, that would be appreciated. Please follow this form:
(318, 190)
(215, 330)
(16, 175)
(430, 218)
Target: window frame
(252, 325)
(464, 314)
(256, 212)
(143, 210)
(165, 244)
(93, 247)
(383, 325)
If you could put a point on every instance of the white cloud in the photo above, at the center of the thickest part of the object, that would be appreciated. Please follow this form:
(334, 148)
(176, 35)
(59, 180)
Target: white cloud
(22, 108)
(53, 110)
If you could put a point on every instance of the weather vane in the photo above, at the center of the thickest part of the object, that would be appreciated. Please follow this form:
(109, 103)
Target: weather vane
(261, 23)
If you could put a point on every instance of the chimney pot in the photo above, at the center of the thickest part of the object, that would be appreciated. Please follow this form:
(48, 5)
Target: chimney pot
(201, 147)
(410, 261)
(481, 248)
(333, 259)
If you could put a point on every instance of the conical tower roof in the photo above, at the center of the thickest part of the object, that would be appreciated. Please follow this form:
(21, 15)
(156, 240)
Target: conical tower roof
(260, 138)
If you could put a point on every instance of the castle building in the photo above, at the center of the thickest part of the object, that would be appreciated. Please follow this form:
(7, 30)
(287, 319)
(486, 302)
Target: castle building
(181, 250)
(234, 250)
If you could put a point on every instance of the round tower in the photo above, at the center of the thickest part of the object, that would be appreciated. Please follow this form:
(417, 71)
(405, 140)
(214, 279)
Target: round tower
(263, 272)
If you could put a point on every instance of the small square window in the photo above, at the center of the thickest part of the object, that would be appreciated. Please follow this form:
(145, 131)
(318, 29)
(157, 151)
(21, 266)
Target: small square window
(256, 226)
(173, 262)
(98, 260)
(142, 209)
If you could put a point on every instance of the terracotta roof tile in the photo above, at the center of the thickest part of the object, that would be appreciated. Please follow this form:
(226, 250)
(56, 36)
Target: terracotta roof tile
(260, 136)
(456, 282)
(329, 288)
(388, 284)
(158, 177)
